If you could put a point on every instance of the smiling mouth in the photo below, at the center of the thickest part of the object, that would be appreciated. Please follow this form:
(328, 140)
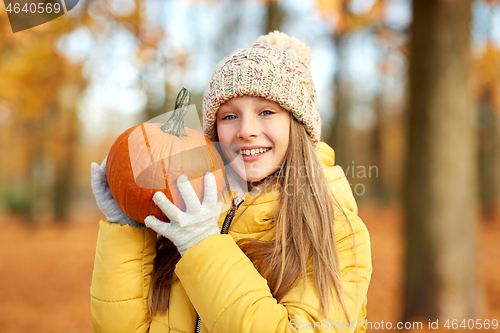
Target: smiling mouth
(253, 152)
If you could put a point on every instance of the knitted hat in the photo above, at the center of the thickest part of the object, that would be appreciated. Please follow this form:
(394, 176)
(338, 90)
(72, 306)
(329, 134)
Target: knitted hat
(275, 67)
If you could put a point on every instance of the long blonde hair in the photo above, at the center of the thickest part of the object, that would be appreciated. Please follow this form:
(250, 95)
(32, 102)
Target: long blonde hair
(304, 227)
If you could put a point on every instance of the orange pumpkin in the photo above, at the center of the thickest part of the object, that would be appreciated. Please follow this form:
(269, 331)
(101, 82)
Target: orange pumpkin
(150, 157)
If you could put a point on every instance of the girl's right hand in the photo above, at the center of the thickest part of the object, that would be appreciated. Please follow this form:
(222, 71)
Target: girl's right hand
(104, 198)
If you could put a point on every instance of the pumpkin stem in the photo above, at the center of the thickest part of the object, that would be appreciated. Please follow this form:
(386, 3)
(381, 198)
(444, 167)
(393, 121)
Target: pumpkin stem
(175, 125)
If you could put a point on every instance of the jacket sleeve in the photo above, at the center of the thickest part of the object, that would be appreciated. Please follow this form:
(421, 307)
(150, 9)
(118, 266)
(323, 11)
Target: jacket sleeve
(230, 295)
(120, 281)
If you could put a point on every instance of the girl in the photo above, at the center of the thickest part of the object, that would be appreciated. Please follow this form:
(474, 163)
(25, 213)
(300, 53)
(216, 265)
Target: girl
(296, 255)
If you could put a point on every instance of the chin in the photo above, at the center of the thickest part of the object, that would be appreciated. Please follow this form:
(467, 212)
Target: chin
(256, 178)
(250, 174)
(249, 178)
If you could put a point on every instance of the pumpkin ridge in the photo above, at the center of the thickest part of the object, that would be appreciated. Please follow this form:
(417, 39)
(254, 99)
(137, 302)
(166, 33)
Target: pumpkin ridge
(133, 177)
(111, 180)
(125, 197)
(164, 173)
(139, 147)
(147, 143)
(164, 170)
(152, 205)
(168, 191)
(122, 199)
(138, 212)
(170, 146)
(210, 154)
(141, 190)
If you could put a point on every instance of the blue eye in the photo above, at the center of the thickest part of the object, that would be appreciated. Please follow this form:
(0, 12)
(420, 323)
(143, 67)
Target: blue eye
(270, 112)
(226, 117)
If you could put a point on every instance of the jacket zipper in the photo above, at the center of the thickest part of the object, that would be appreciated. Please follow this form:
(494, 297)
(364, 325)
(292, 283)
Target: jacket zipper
(224, 230)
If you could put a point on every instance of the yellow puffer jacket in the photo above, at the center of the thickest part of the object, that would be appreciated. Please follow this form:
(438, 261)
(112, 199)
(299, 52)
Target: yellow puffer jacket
(217, 281)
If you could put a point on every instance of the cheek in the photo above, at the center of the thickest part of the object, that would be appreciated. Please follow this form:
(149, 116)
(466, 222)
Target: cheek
(281, 132)
(225, 139)
(224, 133)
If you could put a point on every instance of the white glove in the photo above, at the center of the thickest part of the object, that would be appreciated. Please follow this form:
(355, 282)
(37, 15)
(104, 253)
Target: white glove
(199, 220)
(104, 199)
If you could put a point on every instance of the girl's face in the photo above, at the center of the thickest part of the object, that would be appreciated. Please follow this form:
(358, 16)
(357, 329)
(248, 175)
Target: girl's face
(258, 132)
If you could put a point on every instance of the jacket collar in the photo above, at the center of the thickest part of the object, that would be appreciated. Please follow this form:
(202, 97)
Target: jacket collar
(256, 211)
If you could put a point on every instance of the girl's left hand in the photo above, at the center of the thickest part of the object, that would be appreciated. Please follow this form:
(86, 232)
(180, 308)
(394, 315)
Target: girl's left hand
(200, 219)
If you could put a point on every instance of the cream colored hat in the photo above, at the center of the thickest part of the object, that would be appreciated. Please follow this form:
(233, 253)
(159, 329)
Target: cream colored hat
(275, 67)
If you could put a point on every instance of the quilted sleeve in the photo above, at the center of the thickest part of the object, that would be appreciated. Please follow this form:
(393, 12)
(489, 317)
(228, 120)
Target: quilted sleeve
(120, 281)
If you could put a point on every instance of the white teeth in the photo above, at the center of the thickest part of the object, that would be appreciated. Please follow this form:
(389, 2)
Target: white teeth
(254, 152)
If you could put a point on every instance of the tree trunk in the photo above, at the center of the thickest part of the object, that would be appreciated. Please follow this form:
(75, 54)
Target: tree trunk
(64, 174)
(441, 208)
(487, 158)
(275, 16)
(379, 192)
(340, 134)
(496, 136)
(67, 133)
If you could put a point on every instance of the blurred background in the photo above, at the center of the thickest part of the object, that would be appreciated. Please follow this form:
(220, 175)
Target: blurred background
(409, 95)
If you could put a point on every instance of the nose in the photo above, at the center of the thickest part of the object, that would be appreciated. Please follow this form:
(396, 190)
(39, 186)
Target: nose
(249, 128)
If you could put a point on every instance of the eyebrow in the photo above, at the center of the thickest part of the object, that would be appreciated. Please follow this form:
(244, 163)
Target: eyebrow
(264, 104)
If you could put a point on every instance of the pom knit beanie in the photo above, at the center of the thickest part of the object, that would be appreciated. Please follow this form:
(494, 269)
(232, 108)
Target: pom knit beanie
(275, 67)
